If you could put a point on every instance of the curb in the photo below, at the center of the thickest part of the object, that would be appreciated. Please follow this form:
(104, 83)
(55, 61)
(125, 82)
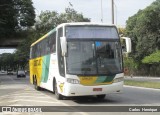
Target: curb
(141, 88)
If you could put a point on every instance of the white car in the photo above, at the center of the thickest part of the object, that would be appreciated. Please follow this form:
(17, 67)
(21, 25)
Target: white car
(9, 72)
(2, 71)
(21, 73)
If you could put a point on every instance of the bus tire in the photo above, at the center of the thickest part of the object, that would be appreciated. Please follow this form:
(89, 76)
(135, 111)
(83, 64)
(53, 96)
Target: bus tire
(58, 96)
(35, 84)
(101, 96)
(54, 85)
(33, 80)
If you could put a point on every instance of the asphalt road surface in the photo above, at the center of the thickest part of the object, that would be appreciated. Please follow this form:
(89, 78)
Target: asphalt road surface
(19, 92)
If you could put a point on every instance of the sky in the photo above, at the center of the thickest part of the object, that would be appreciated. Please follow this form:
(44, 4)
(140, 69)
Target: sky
(92, 9)
(7, 50)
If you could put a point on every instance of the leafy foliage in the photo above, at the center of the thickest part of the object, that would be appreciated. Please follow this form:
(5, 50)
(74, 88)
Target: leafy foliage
(48, 20)
(153, 58)
(129, 62)
(25, 13)
(130, 65)
(7, 61)
(144, 29)
(15, 16)
(7, 20)
(121, 31)
(71, 15)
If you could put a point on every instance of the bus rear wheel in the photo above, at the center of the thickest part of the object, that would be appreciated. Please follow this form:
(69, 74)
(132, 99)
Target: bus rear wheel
(58, 96)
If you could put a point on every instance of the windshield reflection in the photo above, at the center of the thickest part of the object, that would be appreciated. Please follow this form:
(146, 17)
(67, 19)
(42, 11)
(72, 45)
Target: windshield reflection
(94, 58)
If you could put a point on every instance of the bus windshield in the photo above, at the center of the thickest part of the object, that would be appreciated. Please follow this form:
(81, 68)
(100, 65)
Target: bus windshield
(94, 57)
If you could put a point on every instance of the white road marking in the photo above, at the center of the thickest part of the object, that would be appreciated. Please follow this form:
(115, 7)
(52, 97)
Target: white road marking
(82, 113)
(35, 94)
(19, 96)
(12, 86)
(30, 96)
(26, 100)
(38, 101)
(10, 113)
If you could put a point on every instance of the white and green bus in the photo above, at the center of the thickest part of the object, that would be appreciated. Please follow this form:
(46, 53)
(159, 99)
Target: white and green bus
(78, 59)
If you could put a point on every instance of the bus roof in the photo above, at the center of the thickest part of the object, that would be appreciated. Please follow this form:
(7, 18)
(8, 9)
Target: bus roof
(83, 23)
(43, 37)
(72, 24)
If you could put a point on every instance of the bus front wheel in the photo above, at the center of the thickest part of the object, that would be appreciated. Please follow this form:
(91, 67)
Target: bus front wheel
(101, 96)
(58, 96)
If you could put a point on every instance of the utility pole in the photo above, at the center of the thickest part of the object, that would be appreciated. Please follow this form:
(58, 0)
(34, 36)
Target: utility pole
(101, 12)
(112, 11)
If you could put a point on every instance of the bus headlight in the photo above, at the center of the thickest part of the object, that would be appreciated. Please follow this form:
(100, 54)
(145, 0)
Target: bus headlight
(118, 79)
(73, 81)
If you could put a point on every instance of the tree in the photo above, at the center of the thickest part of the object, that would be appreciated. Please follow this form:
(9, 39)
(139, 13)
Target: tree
(130, 64)
(25, 14)
(154, 58)
(48, 20)
(15, 16)
(7, 20)
(121, 31)
(143, 28)
(71, 15)
(7, 61)
(153, 63)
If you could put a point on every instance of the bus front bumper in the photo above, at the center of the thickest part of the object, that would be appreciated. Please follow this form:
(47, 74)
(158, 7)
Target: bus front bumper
(81, 90)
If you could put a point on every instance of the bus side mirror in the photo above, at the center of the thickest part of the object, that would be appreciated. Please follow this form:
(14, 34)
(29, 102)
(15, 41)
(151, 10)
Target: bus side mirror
(127, 46)
(63, 45)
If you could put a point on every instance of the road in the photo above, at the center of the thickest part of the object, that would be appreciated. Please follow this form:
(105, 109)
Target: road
(19, 92)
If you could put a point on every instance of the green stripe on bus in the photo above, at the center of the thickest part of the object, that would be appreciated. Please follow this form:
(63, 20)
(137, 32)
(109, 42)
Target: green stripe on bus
(45, 68)
(104, 79)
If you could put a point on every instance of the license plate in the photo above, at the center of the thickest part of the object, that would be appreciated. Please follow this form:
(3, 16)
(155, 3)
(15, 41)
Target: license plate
(97, 89)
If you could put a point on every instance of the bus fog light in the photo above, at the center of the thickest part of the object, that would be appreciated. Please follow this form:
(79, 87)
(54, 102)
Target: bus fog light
(73, 81)
(118, 79)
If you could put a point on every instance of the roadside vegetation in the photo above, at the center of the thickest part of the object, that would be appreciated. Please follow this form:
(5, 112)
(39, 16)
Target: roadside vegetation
(143, 28)
(146, 84)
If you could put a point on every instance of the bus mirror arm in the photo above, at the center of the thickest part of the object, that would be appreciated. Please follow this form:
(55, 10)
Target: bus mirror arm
(63, 42)
(127, 44)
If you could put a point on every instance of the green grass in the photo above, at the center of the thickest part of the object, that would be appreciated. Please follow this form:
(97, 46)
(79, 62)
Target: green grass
(146, 84)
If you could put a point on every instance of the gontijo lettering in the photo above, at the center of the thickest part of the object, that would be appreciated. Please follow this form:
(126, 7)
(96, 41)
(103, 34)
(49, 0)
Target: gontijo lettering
(37, 62)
